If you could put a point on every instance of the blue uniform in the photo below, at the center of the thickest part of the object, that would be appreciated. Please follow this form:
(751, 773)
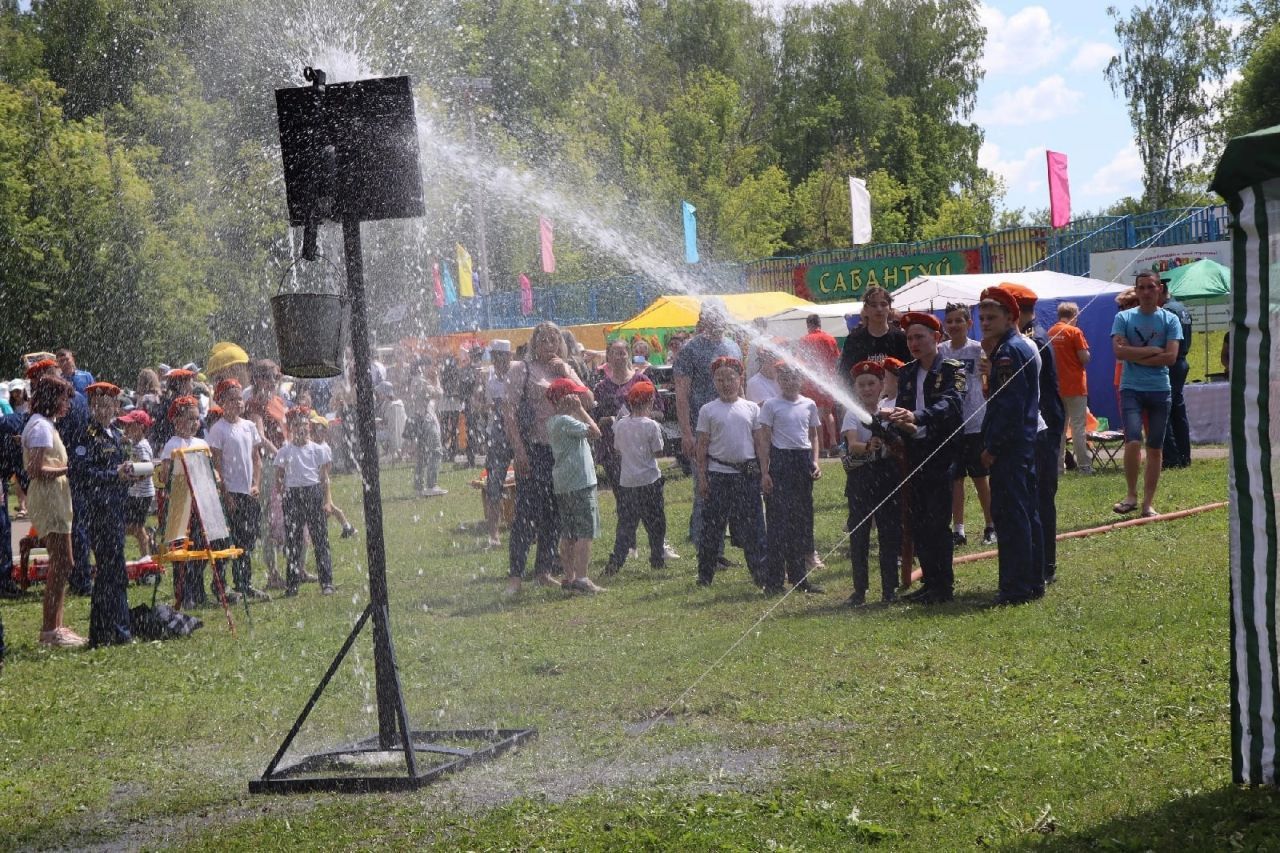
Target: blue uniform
(929, 495)
(1009, 434)
(1048, 446)
(94, 462)
(70, 429)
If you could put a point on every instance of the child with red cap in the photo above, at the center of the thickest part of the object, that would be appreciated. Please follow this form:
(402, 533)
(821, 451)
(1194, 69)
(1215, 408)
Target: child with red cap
(638, 440)
(142, 492)
(574, 480)
(873, 478)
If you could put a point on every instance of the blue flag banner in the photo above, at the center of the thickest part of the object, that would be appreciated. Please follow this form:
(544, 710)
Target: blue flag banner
(690, 232)
(450, 292)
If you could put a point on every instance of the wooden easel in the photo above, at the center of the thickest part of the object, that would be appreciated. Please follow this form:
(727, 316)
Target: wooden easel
(195, 492)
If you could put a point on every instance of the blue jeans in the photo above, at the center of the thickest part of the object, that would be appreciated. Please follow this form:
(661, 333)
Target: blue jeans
(1155, 405)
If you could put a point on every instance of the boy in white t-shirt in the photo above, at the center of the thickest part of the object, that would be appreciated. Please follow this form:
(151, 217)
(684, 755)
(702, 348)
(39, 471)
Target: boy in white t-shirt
(957, 323)
(764, 384)
(874, 475)
(302, 471)
(142, 491)
(726, 465)
(638, 439)
(788, 467)
(188, 577)
(237, 458)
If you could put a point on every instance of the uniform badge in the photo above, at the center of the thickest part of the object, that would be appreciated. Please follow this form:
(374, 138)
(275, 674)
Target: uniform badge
(81, 450)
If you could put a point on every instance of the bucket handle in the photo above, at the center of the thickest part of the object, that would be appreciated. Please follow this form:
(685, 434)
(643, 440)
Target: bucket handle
(294, 263)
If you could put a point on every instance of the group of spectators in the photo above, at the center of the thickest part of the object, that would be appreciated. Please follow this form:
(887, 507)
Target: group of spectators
(931, 407)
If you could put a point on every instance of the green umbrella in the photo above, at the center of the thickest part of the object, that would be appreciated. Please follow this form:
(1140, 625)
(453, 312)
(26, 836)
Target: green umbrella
(1201, 280)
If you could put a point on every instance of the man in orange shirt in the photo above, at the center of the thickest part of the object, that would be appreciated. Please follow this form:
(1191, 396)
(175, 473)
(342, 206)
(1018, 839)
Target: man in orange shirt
(821, 352)
(1071, 351)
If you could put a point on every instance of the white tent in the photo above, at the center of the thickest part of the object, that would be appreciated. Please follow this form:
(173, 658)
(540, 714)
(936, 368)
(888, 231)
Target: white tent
(933, 292)
(1096, 300)
(790, 324)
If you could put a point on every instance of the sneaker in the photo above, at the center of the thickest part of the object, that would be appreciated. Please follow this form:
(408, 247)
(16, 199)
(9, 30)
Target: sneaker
(725, 563)
(633, 553)
(989, 536)
(669, 553)
(234, 597)
(815, 562)
(433, 492)
(62, 638)
(610, 568)
(856, 600)
(1085, 472)
(254, 594)
(348, 531)
(958, 539)
(584, 585)
(495, 542)
(291, 592)
(305, 576)
(547, 580)
(327, 589)
(811, 588)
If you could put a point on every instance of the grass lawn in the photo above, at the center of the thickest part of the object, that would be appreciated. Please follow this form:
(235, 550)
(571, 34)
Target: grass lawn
(1096, 718)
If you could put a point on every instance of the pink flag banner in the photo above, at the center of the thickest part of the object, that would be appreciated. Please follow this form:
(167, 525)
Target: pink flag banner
(546, 236)
(435, 277)
(526, 296)
(1059, 189)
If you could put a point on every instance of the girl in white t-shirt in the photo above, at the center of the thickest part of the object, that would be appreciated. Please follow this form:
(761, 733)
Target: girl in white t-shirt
(638, 440)
(788, 467)
(302, 471)
(188, 577)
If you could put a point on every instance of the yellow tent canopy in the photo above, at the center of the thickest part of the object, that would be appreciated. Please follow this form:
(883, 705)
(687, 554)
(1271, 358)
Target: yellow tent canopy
(668, 313)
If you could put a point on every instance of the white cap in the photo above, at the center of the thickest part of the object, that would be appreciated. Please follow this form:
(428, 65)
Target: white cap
(499, 345)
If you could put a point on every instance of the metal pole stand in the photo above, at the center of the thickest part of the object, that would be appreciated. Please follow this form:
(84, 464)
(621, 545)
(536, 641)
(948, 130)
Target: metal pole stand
(367, 765)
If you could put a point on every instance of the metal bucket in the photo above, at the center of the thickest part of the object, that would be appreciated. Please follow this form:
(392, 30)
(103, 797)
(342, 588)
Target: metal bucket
(309, 333)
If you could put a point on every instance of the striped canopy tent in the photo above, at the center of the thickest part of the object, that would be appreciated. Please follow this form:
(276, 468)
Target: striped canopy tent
(1248, 177)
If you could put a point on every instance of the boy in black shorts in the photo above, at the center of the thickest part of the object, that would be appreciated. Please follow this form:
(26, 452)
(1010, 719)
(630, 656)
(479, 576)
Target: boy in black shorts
(957, 324)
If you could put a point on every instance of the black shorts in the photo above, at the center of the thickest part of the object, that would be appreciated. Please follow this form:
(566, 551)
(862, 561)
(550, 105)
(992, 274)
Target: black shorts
(136, 510)
(969, 460)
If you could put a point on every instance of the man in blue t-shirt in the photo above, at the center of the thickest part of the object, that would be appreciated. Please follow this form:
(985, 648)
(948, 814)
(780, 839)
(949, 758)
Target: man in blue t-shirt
(1146, 340)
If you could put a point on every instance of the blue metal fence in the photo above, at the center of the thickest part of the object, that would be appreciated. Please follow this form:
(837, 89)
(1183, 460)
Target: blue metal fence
(1065, 249)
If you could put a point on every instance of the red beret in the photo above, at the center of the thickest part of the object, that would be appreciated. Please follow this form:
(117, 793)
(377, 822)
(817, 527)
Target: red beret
(186, 402)
(178, 375)
(226, 385)
(893, 365)
(563, 387)
(727, 361)
(864, 367)
(1000, 293)
(922, 318)
(137, 416)
(40, 367)
(102, 388)
(1025, 296)
(641, 392)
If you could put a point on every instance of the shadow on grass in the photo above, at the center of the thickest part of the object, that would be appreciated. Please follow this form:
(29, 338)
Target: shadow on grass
(1229, 818)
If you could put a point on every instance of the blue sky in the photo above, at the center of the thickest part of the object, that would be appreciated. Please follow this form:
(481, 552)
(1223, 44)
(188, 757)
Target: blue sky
(1044, 89)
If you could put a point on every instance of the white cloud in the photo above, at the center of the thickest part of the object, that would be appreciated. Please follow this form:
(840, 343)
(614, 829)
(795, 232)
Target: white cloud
(1021, 42)
(1025, 174)
(1120, 177)
(1092, 57)
(1051, 98)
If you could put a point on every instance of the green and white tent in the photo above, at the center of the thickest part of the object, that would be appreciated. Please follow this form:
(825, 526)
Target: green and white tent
(1248, 177)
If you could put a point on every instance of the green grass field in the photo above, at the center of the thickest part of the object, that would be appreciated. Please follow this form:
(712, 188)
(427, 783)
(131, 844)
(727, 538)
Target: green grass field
(1094, 719)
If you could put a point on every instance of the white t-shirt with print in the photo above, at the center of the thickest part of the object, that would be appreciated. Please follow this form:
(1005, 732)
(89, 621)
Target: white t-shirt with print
(969, 356)
(302, 464)
(179, 443)
(790, 421)
(237, 442)
(761, 388)
(731, 430)
(639, 441)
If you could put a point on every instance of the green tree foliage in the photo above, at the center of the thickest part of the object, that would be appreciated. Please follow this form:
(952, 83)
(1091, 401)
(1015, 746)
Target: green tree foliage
(140, 169)
(1173, 54)
(1255, 99)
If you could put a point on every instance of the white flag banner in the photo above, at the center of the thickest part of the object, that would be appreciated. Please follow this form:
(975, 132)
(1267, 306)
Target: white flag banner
(859, 211)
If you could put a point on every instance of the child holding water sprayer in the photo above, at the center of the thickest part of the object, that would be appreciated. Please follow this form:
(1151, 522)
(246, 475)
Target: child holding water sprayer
(873, 474)
(788, 467)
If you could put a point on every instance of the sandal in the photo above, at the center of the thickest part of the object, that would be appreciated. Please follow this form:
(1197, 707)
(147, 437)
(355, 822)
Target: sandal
(1124, 507)
(1150, 513)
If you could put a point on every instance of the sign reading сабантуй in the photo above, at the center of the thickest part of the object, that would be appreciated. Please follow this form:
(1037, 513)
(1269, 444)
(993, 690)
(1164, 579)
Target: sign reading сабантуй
(850, 279)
